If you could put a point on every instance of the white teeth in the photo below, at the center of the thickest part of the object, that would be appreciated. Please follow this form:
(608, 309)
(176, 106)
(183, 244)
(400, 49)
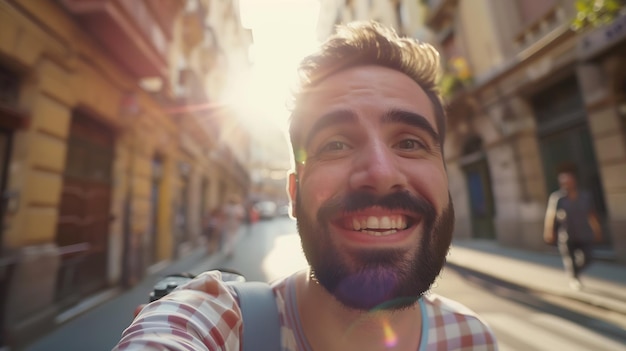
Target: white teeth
(374, 233)
(385, 222)
(372, 223)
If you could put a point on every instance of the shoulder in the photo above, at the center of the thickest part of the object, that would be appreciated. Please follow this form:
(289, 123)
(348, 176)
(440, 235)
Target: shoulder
(557, 195)
(453, 322)
(280, 289)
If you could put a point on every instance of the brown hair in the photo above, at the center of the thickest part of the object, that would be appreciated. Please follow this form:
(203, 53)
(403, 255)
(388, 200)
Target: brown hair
(567, 168)
(369, 43)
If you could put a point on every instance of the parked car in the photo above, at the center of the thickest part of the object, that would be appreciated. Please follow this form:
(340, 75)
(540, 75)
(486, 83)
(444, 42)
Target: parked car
(283, 210)
(266, 209)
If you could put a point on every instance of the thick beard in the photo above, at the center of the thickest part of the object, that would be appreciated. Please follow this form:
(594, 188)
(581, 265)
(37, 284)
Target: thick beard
(390, 279)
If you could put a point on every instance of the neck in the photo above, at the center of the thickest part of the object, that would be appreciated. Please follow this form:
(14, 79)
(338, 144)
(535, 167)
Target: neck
(328, 325)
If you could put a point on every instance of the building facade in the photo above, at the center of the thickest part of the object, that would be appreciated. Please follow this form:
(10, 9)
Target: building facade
(111, 146)
(527, 94)
(269, 166)
(405, 16)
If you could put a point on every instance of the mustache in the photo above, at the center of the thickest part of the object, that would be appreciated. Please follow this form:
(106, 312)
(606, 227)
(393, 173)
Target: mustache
(360, 200)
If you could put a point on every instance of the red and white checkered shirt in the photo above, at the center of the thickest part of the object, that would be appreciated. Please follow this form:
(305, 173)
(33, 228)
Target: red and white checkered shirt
(204, 315)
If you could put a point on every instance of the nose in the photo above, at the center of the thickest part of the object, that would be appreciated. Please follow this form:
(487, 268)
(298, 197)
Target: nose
(376, 169)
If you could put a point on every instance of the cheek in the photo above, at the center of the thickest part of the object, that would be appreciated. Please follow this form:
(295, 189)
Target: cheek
(318, 184)
(431, 181)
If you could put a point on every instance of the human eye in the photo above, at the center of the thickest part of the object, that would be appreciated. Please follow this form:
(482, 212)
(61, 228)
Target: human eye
(410, 145)
(333, 146)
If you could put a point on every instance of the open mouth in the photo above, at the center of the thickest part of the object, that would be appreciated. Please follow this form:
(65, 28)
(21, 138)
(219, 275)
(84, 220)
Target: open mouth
(377, 225)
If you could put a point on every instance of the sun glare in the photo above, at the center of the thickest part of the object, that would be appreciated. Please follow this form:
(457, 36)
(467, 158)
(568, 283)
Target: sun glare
(283, 31)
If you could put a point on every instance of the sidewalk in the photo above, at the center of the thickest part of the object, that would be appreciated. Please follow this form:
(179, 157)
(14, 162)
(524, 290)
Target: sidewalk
(195, 261)
(97, 322)
(604, 283)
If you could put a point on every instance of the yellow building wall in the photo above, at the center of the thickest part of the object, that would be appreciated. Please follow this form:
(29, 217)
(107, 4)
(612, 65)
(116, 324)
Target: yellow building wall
(38, 164)
(165, 240)
(64, 70)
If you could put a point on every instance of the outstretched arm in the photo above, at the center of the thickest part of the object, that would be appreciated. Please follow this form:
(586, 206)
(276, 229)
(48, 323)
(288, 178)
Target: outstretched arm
(200, 315)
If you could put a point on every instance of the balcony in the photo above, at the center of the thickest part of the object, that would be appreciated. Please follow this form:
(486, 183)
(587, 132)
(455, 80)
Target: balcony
(136, 33)
(546, 29)
(440, 13)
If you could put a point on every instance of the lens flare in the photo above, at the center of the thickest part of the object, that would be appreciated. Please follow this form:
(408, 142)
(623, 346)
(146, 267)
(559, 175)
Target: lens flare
(391, 339)
(301, 156)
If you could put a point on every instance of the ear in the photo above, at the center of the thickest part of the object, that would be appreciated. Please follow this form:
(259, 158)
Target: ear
(292, 189)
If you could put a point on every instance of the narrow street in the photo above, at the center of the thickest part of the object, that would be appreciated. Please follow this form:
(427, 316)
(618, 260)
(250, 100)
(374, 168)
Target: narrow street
(271, 249)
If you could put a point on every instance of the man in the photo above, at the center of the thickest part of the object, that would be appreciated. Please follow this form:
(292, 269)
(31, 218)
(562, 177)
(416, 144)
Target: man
(370, 194)
(572, 223)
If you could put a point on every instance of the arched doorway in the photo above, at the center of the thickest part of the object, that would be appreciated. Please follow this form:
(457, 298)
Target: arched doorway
(478, 180)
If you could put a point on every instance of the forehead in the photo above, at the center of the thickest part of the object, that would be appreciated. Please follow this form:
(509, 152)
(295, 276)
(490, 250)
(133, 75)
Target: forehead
(366, 90)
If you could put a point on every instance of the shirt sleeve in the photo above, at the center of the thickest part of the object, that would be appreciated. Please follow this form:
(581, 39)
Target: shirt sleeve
(200, 315)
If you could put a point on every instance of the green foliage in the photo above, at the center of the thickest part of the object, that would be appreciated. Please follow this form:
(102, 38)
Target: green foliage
(595, 13)
(457, 76)
(448, 84)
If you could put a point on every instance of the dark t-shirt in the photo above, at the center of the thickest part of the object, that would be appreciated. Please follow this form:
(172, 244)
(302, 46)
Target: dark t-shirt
(572, 216)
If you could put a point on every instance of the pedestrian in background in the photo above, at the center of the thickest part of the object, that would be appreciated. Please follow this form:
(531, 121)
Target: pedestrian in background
(572, 223)
(233, 214)
(213, 228)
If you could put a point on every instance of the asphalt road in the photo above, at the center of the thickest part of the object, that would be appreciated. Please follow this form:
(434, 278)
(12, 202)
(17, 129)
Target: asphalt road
(271, 249)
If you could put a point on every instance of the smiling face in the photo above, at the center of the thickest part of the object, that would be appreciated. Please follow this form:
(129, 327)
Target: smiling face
(371, 196)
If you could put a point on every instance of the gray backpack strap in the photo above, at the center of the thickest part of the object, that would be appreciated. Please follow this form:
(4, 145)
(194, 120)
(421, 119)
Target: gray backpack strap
(261, 323)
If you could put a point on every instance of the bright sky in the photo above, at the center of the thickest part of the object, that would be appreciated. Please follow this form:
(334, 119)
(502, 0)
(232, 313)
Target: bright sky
(284, 31)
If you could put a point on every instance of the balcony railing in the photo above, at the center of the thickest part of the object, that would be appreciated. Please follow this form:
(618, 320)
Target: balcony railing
(440, 12)
(132, 31)
(553, 20)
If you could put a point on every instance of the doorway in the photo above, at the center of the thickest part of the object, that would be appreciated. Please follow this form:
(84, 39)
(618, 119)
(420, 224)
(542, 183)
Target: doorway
(84, 212)
(155, 200)
(564, 137)
(478, 182)
(574, 145)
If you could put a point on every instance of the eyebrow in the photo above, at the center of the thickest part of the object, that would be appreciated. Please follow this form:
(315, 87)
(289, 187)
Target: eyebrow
(328, 120)
(411, 119)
